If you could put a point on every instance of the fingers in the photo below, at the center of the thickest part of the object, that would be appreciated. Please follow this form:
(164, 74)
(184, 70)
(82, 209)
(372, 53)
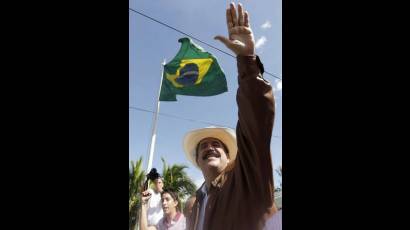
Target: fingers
(146, 193)
(233, 14)
(246, 22)
(238, 30)
(240, 15)
(229, 22)
(224, 40)
(242, 30)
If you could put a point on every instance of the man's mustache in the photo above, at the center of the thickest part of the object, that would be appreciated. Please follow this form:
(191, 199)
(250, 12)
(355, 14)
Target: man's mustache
(210, 153)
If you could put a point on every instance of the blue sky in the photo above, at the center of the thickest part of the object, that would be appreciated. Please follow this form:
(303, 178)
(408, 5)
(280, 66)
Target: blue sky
(151, 43)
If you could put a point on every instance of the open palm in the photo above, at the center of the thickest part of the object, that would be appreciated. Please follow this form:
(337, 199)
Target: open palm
(241, 40)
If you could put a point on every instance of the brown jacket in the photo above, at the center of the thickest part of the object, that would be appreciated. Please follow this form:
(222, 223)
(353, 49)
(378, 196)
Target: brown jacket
(241, 197)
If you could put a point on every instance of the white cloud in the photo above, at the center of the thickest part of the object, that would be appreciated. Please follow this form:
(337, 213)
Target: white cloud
(277, 89)
(279, 85)
(260, 42)
(266, 25)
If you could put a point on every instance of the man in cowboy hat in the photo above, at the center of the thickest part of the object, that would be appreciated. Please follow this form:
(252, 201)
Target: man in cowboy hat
(238, 189)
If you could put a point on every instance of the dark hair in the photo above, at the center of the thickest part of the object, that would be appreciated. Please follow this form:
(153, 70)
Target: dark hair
(223, 145)
(153, 174)
(171, 192)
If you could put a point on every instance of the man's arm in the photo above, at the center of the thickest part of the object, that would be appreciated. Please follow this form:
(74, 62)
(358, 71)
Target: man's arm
(254, 129)
(256, 110)
(144, 206)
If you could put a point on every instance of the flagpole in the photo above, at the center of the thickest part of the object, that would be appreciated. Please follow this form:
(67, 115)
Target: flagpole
(154, 126)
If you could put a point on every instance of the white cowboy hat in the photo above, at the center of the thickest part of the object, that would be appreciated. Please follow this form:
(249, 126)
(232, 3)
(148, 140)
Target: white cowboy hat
(226, 135)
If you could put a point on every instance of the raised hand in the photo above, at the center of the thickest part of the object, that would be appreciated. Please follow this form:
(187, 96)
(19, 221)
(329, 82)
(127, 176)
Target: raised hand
(241, 40)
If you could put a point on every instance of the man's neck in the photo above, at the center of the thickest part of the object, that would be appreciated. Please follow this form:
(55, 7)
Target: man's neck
(171, 216)
(210, 176)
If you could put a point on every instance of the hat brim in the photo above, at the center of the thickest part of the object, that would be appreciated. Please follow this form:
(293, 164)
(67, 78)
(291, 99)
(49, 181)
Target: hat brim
(226, 135)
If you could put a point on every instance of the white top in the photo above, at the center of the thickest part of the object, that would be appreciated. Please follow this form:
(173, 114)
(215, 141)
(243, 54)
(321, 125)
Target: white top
(154, 211)
(178, 223)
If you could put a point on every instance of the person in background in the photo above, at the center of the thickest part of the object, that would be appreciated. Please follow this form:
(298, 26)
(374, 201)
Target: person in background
(173, 219)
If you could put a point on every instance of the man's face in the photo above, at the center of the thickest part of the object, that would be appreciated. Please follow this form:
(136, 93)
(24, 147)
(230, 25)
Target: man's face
(211, 155)
(169, 205)
(158, 185)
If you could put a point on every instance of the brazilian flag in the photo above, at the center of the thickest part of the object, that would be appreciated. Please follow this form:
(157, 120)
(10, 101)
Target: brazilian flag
(192, 72)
